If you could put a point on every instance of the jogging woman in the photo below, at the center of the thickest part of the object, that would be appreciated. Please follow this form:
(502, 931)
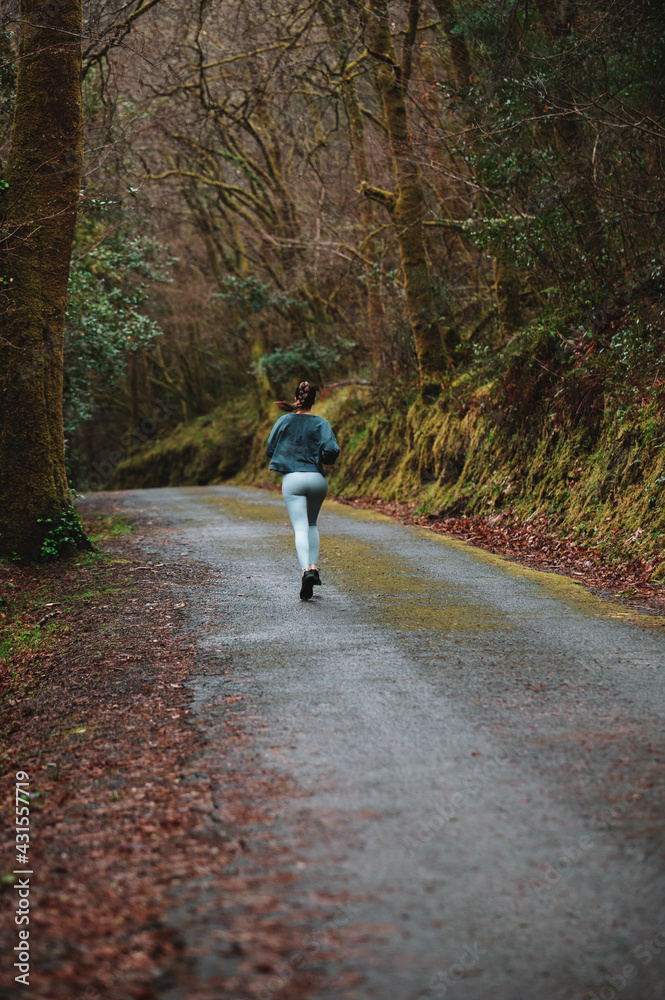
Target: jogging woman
(299, 445)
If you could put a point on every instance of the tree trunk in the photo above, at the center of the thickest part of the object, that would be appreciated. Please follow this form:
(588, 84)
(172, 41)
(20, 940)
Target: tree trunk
(558, 21)
(459, 52)
(506, 280)
(376, 320)
(42, 178)
(406, 206)
(376, 325)
(507, 287)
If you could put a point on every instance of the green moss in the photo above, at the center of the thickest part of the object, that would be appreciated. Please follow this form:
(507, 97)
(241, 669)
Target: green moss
(402, 600)
(250, 510)
(562, 587)
(24, 639)
(110, 527)
(210, 449)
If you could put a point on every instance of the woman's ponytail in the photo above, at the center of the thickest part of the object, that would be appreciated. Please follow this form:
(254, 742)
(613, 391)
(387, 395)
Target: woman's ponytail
(305, 395)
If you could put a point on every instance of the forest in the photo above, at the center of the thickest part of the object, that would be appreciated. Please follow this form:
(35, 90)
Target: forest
(448, 213)
(237, 763)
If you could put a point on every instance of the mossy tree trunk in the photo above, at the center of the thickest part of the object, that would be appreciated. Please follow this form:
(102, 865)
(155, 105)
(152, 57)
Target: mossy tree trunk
(376, 321)
(406, 206)
(459, 52)
(42, 180)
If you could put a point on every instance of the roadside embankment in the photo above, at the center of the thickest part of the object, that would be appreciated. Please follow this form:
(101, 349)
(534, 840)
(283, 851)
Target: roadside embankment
(595, 474)
(206, 450)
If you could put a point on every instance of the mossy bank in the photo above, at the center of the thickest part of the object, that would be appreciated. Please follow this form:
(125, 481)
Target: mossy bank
(599, 472)
(206, 450)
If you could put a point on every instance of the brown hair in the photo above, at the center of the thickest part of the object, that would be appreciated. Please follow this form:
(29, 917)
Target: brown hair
(305, 395)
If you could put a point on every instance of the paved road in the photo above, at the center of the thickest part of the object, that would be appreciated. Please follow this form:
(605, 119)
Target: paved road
(475, 752)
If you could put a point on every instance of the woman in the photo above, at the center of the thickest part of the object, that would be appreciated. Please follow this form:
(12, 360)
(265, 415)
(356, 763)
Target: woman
(299, 445)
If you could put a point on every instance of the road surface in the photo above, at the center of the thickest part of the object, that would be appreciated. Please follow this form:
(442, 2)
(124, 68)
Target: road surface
(473, 752)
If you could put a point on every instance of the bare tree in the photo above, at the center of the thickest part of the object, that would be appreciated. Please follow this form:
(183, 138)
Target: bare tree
(41, 187)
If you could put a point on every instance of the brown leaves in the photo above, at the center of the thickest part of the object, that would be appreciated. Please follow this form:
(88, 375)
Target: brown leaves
(136, 814)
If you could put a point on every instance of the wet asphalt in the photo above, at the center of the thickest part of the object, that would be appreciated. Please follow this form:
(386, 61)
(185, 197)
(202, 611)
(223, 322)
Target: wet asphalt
(475, 750)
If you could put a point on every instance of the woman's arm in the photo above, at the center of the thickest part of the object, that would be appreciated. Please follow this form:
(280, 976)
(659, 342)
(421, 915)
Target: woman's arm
(330, 448)
(272, 440)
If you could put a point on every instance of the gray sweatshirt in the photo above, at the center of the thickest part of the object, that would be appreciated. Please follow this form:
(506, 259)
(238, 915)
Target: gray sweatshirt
(301, 442)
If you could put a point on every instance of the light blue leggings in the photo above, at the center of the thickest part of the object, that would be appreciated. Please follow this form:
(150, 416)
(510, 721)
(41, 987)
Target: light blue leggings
(303, 493)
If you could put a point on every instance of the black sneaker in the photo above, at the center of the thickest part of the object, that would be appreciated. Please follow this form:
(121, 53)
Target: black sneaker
(317, 578)
(307, 585)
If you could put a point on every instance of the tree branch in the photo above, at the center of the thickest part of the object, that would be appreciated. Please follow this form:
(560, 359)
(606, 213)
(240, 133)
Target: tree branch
(385, 198)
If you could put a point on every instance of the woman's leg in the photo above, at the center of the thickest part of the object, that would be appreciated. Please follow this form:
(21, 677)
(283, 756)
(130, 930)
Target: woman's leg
(314, 544)
(316, 494)
(296, 505)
